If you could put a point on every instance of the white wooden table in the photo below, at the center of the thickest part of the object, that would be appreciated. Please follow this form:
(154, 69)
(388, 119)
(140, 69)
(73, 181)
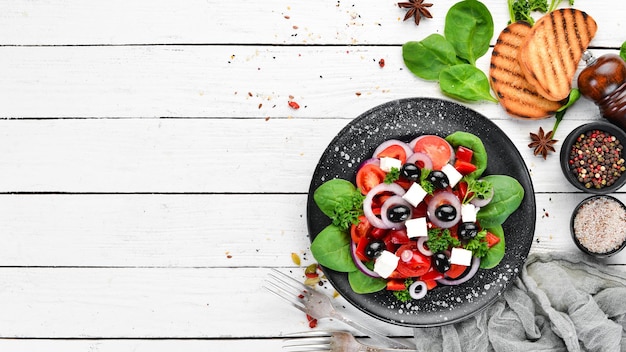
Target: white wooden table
(152, 171)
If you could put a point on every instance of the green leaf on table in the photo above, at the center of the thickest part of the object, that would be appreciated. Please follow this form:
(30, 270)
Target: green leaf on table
(469, 28)
(466, 82)
(428, 57)
(622, 51)
(331, 248)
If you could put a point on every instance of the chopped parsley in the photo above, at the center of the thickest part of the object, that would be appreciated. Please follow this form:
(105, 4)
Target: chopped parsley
(404, 295)
(392, 176)
(427, 186)
(440, 240)
(478, 245)
(480, 189)
(348, 210)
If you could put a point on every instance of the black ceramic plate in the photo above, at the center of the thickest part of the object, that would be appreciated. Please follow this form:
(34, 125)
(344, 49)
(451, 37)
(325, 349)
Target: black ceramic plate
(404, 120)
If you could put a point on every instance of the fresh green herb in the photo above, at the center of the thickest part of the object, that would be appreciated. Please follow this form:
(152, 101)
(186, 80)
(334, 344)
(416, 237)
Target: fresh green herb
(519, 10)
(451, 59)
(340, 201)
(426, 185)
(622, 51)
(538, 5)
(440, 240)
(404, 295)
(331, 248)
(392, 176)
(481, 189)
(555, 3)
(508, 194)
(478, 245)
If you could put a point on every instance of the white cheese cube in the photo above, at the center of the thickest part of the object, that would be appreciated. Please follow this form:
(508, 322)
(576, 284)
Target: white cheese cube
(415, 194)
(461, 256)
(385, 264)
(416, 227)
(387, 163)
(468, 212)
(453, 175)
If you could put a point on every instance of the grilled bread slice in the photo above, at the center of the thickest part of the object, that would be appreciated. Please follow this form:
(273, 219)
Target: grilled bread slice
(518, 97)
(550, 55)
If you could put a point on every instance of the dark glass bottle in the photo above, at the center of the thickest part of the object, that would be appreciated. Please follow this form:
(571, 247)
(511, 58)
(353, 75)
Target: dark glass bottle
(604, 82)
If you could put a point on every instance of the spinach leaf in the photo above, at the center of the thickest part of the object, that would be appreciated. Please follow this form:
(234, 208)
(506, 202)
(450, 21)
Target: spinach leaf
(496, 253)
(331, 194)
(469, 28)
(471, 141)
(430, 56)
(361, 283)
(622, 51)
(508, 194)
(465, 82)
(331, 248)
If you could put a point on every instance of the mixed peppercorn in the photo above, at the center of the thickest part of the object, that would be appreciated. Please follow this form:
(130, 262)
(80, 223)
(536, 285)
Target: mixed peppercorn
(596, 159)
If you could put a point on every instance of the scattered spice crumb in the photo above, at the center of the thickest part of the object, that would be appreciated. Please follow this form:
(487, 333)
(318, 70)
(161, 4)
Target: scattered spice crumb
(228, 255)
(381, 63)
(267, 118)
(358, 94)
(295, 258)
(260, 105)
(294, 105)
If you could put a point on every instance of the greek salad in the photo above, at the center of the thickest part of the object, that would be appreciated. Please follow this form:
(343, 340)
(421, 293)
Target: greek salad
(417, 215)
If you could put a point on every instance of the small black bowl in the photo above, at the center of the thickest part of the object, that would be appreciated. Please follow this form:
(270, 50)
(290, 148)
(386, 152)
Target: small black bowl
(593, 205)
(566, 148)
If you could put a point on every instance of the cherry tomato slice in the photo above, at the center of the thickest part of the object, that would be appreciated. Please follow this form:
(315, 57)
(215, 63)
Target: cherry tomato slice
(437, 148)
(455, 271)
(360, 230)
(368, 177)
(417, 265)
(393, 151)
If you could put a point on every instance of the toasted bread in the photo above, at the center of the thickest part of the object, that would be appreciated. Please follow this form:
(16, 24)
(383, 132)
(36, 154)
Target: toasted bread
(518, 97)
(550, 55)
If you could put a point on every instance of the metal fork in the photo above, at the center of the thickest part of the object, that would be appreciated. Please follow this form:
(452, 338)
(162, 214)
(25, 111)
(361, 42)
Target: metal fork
(318, 305)
(335, 341)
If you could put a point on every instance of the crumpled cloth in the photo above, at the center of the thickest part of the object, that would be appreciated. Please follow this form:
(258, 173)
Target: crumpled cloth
(559, 302)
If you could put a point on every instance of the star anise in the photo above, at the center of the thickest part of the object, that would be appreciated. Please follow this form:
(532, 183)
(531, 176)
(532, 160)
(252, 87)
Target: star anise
(542, 142)
(416, 8)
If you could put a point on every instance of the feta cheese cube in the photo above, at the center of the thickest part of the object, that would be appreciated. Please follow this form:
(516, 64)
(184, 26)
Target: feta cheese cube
(385, 264)
(468, 212)
(415, 194)
(453, 175)
(461, 256)
(387, 163)
(416, 227)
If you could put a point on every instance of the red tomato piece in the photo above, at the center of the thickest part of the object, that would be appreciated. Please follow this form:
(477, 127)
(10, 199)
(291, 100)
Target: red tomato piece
(378, 233)
(455, 271)
(463, 167)
(464, 154)
(360, 230)
(360, 249)
(417, 265)
(368, 177)
(393, 151)
(430, 284)
(431, 275)
(437, 148)
(492, 239)
(461, 190)
(395, 285)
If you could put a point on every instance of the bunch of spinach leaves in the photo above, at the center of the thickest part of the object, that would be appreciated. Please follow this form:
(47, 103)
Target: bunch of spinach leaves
(451, 58)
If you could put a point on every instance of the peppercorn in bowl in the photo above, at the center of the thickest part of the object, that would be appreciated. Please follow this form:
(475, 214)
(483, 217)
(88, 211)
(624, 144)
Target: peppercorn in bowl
(592, 158)
(598, 226)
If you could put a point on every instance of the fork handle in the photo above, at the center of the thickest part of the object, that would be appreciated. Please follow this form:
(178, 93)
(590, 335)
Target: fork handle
(375, 335)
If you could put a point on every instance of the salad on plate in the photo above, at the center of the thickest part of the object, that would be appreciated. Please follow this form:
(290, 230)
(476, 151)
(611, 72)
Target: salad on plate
(418, 214)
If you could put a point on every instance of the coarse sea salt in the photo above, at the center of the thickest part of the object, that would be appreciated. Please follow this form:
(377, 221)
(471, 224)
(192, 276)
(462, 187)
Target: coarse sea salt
(600, 225)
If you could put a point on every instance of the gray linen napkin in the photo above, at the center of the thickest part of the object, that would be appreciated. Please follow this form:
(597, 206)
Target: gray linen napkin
(560, 302)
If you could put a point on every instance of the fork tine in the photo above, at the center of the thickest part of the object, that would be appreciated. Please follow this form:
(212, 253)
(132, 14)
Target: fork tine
(288, 280)
(278, 291)
(321, 343)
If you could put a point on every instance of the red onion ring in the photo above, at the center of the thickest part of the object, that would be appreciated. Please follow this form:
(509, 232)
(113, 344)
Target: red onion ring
(438, 199)
(367, 202)
(374, 161)
(390, 202)
(386, 144)
(426, 162)
(464, 278)
(420, 246)
(414, 293)
(359, 264)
